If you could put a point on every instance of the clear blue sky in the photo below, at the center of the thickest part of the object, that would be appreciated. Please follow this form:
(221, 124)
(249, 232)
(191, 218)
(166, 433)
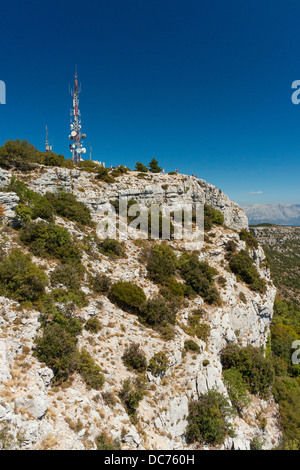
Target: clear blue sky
(202, 85)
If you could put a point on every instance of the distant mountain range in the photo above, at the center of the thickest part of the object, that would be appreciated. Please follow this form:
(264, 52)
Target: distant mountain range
(280, 214)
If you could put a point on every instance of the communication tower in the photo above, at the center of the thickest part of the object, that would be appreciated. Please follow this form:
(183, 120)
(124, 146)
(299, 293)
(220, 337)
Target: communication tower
(48, 147)
(76, 136)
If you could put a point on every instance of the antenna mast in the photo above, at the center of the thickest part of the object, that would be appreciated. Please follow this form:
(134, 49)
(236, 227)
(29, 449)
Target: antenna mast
(76, 136)
(48, 147)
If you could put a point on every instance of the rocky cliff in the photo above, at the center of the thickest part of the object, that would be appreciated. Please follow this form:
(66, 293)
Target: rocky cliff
(37, 414)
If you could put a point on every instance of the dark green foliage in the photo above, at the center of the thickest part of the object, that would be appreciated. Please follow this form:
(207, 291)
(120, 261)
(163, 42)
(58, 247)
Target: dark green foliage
(134, 358)
(25, 194)
(248, 237)
(282, 338)
(19, 154)
(24, 156)
(208, 419)
(50, 241)
(68, 274)
(103, 175)
(57, 349)
(242, 265)
(65, 319)
(104, 442)
(153, 166)
(93, 325)
(51, 159)
(100, 283)
(284, 329)
(287, 394)
(66, 205)
(161, 263)
(256, 370)
(88, 165)
(140, 167)
(45, 207)
(21, 279)
(230, 247)
(157, 312)
(196, 328)
(158, 364)
(131, 394)
(237, 388)
(190, 345)
(199, 276)
(212, 217)
(89, 370)
(63, 296)
(112, 247)
(127, 296)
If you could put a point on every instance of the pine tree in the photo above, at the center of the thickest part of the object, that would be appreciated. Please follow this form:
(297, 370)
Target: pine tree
(153, 165)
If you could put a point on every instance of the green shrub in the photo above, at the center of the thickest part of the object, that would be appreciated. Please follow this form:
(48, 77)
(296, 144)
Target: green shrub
(248, 237)
(57, 349)
(212, 217)
(100, 283)
(256, 370)
(19, 154)
(158, 364)
(25, 194)
(104, 442)
(65, 320)
(50, 241)
(157, 312)
(237, 388)
(201, 330)
(63, 296)
(21, 279)
(131, 394)
(112, 248)
(43, 209)
(93, 325)
(127, 296)
(24, 156)
(23, 213)
(161, 263)
(89, 370)
(88, 165)
(190, 345)
(208, 419)
(68, 274)
(134, 358)
(140, 167)
(103, 175)
(199, 276)
(66, 205)
(242, 265)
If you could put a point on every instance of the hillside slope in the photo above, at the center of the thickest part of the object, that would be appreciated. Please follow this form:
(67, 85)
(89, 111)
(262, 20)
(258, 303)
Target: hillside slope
(53, 405)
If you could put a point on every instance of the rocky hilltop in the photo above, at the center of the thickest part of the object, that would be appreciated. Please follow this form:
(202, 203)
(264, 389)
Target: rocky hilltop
(38, 412)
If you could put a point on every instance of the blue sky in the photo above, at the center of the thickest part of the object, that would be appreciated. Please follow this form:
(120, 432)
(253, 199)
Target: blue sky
(201, 85)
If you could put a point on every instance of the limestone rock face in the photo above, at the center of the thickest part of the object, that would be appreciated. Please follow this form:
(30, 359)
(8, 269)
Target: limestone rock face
(153, 188)
(9, 202)
(38, 414)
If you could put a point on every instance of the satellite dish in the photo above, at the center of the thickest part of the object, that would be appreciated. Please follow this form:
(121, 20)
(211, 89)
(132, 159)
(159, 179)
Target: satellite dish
(73, 133)
(83, 136)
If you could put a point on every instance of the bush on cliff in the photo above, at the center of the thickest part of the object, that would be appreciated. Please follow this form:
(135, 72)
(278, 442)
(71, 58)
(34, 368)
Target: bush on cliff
(21, 279)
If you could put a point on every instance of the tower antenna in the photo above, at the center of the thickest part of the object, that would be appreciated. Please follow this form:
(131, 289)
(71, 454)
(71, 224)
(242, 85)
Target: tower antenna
(76, 136)
(48, 147)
